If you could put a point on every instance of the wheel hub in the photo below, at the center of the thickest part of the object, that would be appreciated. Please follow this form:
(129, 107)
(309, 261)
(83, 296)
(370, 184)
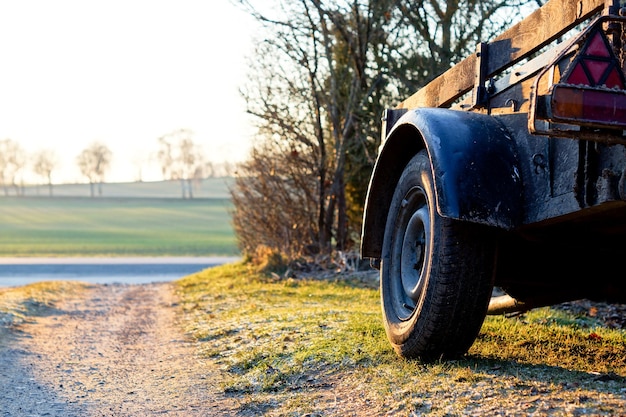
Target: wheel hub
(413, 254)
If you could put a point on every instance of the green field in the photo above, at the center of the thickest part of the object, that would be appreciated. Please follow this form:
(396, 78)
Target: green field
(118, 225)
(207, 188)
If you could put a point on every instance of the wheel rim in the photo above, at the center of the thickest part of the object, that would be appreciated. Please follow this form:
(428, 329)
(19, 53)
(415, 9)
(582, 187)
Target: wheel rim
(412, 250)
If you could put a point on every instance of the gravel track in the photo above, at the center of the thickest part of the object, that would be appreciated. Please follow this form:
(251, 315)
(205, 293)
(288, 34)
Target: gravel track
(117, 351)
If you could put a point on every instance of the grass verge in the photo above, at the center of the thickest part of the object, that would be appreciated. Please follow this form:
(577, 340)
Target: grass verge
(17, 304)
(317, 347)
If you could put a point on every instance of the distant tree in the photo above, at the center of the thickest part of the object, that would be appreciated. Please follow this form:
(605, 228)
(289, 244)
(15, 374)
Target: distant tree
(209, 169)
(223, 169)
(94, 162)
(181, 159)
(228, 169)
(12, 161)
(44, 163)
(139, 162)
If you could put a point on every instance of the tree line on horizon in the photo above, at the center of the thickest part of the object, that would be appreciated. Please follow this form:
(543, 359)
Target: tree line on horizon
(179, 157)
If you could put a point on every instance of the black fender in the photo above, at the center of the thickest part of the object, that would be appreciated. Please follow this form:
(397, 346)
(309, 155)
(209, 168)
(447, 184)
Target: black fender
(474, 162)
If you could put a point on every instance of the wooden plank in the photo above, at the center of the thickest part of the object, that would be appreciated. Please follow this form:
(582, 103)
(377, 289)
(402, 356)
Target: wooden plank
(540, 28)
(446, 88)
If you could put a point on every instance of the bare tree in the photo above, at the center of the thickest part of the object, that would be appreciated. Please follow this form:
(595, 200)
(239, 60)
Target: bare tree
(311, 83)
(181, 159)
(319, 81)
(432, 35)
(44, 162)
(94, 162)
(12, 161)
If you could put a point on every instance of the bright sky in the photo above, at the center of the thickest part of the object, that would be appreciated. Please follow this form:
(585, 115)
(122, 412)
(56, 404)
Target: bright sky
(123, 72)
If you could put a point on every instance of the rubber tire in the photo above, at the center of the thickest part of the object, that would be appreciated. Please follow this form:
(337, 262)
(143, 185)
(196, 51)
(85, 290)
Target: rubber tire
(436, 274)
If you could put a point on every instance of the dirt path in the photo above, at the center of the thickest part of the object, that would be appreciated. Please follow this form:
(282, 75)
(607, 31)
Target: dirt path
(116, 352)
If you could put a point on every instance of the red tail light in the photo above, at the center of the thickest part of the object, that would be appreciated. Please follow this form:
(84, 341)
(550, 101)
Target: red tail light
(587, 105)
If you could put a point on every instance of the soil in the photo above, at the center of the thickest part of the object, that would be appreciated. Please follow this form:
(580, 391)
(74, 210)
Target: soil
(116, 352)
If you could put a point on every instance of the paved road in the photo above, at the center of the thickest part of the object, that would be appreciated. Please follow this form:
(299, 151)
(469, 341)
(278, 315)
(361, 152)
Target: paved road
(135, 270)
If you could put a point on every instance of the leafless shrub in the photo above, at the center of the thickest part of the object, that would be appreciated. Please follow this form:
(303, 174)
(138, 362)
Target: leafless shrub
(275, 198)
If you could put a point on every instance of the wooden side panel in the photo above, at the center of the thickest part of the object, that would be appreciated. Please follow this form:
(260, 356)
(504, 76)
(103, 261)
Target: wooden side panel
(540, 28)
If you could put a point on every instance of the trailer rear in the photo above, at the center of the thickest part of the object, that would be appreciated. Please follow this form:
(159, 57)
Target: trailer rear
(507, 171)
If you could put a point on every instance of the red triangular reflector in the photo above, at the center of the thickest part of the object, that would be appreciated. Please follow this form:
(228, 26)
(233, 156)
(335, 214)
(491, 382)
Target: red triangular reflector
(614, 80)
(595, 65)
(577, 75)
(596, 70)
(597, 46)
